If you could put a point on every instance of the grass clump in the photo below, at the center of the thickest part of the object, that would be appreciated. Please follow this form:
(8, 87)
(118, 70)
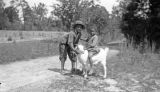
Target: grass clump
(11, 52)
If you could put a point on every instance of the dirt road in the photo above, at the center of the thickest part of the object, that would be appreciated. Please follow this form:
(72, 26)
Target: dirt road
(38, 73)
(25, 72)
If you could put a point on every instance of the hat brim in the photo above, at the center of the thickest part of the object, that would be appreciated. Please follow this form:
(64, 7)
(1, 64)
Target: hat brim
(75, 25)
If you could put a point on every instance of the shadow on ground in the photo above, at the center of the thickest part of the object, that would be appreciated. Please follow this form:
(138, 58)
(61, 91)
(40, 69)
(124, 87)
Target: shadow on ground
(67, 72)
(55, 69)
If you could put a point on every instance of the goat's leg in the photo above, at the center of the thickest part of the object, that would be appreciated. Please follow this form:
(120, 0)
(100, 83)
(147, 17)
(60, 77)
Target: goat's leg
(85, 75)
(91, 70)
(105, 70)
(85, 71)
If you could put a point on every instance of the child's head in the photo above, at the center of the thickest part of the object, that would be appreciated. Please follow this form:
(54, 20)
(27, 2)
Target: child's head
(93, 31)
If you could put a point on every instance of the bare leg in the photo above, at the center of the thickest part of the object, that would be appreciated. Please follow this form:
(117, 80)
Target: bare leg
(62, 67)
(73, 70)
(62, 56)
(91, 66)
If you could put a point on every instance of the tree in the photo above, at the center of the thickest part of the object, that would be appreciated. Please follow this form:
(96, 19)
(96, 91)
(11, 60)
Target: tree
(40, 10)
(11, 13)
(135, 21)
(141, 22)
(96, 16)
(70, 10)
(91, 14)
(153, 31)
(26, 12)
(20, 4)
(66, 11)
(40, 13)
(1, 4)
(3, 18)
(14, 22)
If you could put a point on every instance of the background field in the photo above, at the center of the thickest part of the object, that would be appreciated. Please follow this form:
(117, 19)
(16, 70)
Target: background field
(6, 35)
(22, 45)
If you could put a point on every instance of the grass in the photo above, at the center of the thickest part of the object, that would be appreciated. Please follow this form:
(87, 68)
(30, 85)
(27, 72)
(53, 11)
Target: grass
(11, 52)
(143, 67)
(23, 45)
(134, 72)
(77, 84)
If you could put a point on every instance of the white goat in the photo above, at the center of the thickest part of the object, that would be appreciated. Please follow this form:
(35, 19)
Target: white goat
(83, 59)
(98, 58)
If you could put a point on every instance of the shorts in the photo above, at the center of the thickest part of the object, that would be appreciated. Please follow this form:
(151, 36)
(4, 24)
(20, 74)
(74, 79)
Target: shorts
(65, 50)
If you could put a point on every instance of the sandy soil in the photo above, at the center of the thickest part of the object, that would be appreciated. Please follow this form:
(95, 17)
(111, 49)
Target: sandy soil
(33, 75)
(26, 72)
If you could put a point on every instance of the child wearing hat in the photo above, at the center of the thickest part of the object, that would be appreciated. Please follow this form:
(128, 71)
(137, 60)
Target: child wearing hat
(68, 43)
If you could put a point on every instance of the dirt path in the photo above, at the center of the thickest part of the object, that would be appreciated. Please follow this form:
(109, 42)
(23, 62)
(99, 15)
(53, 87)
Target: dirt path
(38, 73)
(25, 72)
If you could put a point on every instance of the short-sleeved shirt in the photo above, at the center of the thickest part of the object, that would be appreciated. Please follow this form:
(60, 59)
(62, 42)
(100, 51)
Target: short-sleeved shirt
(70, 37)
(93, 41)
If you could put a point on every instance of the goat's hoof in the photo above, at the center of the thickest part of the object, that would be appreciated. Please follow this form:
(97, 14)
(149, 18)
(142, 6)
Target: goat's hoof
(63, 72)
(85, 76)
(83, 73)
(104, 77)
(90, 73)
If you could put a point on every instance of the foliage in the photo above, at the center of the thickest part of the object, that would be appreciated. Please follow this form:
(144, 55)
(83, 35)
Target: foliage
(96, 16)
(11, 13)
(26, 17)
(13, 18)
(154, 24)
(67, 11)
(140, 22)
(40, 12)
(20, 16)
(91, 14)
(3, 18)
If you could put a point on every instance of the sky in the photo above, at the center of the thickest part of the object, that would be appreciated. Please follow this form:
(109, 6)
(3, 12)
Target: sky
(108, 4)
